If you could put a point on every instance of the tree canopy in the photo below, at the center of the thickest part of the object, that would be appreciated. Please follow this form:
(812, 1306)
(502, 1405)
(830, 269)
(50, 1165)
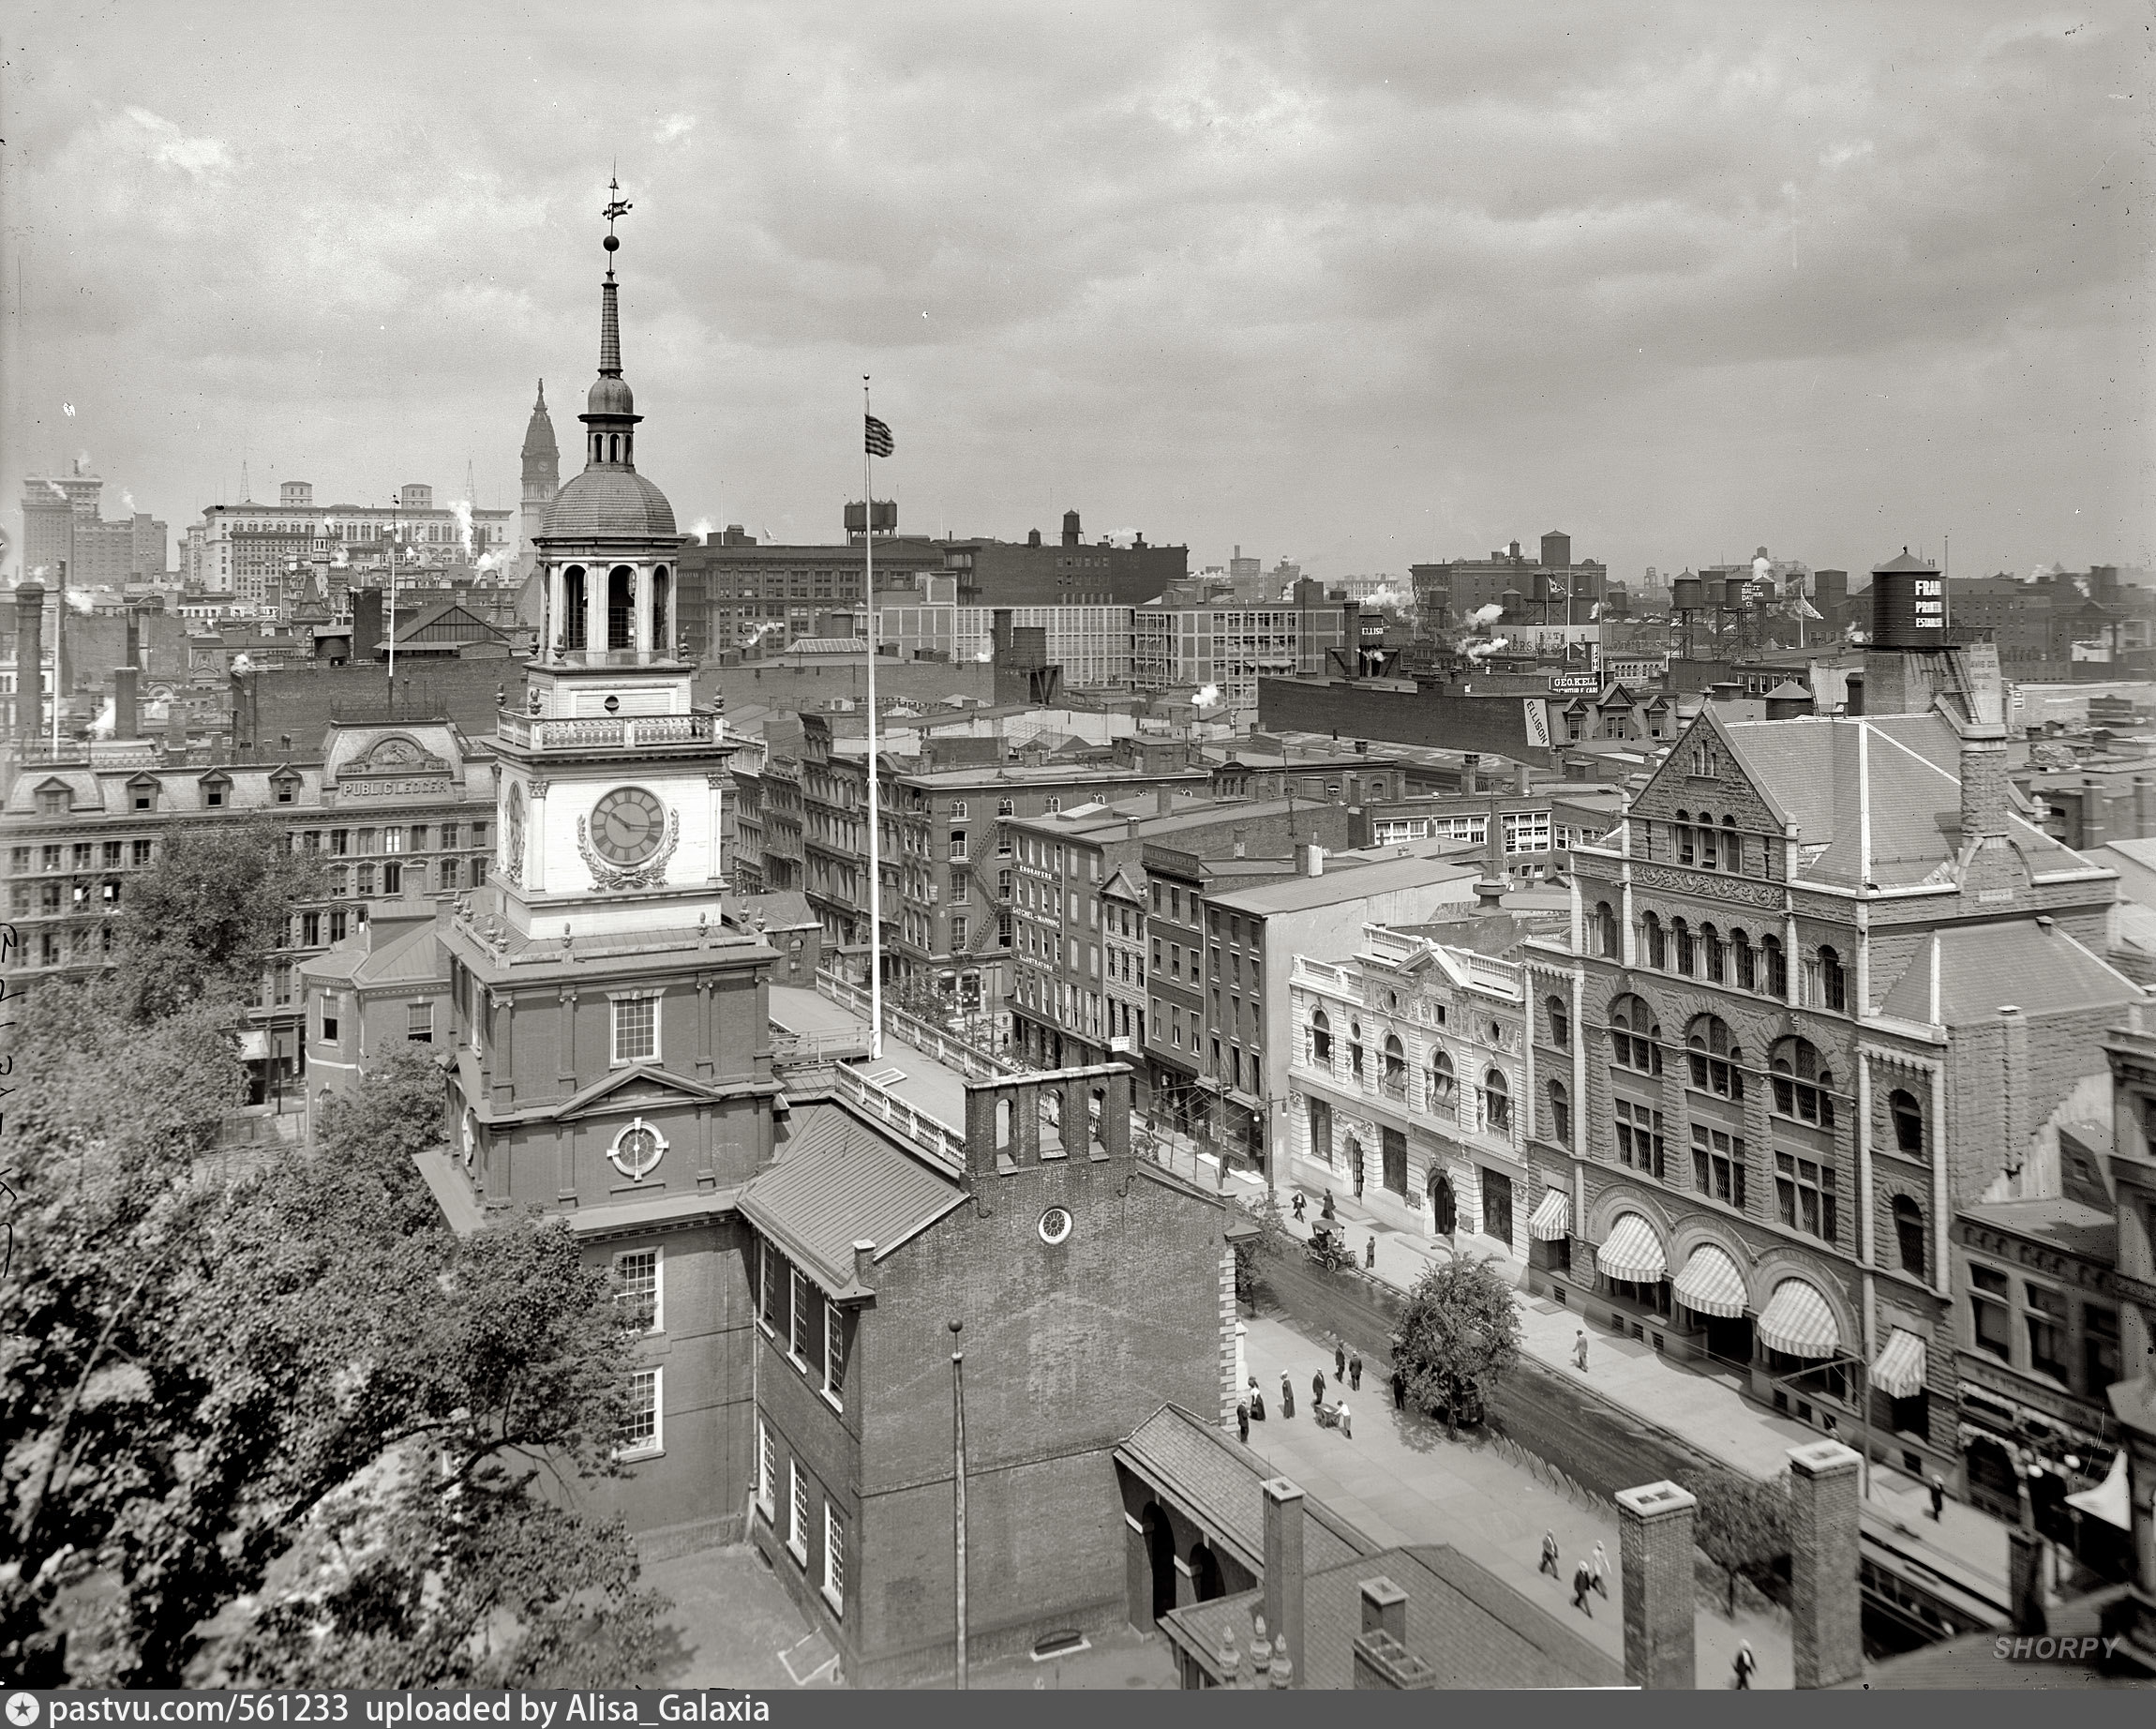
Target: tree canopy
(1742, 1526)
(288, 1430)
(197, 922)
(1458, 1334)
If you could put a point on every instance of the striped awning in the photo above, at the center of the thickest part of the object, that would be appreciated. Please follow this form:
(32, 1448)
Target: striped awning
(1631, 1252)
(1552, 1218)
(1898, 1370)
(1799, 1322)
(1710, 1283)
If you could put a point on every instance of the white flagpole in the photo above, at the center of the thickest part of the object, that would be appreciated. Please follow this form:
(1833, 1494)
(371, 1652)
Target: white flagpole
(875, 812)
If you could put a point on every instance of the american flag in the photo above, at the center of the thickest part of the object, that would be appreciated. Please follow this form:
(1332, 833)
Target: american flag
(879, 440)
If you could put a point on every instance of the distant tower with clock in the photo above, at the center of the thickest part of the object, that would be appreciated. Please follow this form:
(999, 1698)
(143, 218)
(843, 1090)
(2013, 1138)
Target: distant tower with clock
(612, 1054)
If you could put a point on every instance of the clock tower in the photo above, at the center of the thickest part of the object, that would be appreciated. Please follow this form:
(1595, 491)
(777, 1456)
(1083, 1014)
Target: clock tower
(611, 1058)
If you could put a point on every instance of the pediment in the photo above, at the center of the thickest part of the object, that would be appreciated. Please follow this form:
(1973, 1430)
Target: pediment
(642, 1087)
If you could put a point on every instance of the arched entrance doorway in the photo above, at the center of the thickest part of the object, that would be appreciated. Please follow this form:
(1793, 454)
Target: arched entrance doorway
(1993, 1482)
(1444, 1204)
(1160, 1558)
(1206, 1581)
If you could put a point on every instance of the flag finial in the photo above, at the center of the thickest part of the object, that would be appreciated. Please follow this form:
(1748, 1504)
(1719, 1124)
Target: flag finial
(616, 206)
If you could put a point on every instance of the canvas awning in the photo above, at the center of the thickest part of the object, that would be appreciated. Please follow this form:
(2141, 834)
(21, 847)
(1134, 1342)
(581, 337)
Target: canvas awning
(1799, 1321)
(1632, 1252)
(1898, 1370)
(2107, 1500)
(1552, 1218)
(254, 1045)
(1710, 1283)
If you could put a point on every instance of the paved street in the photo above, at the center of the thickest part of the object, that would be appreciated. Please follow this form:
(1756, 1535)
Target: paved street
(1401, 1481)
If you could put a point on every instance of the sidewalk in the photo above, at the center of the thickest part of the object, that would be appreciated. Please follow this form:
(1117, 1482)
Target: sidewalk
(1706, 1410)
(1401, 1482)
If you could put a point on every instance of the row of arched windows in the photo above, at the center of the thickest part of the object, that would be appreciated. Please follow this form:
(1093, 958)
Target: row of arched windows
(1802, 1084)
(614, 447)
(621, 584)
(1440, 1079)
(1720, 958)
(1707, 845)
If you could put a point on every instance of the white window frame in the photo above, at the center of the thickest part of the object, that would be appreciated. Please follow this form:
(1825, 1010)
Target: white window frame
(764, 1287)
(797, 1513)
(656, 1446)
(615, 1005)
(833, 1346)
(834, 1586)
(767, 1473)
(797, 1302)
(658, 1257)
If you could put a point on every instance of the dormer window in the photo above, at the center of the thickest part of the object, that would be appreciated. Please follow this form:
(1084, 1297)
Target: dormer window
(217, 791)
(52, 801)
(284, 789)
(142, 793)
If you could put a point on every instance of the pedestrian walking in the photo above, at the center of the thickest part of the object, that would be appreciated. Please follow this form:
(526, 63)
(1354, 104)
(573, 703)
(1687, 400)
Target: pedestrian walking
(1398, 1390)
(1299, 1207)
(1327, 1211)
(1938, 1488)
(1579, 1351)
(1369, 1254)
(1317, 1389)
(1243, 1419)
(1598, 1564)
(1744, 1663)
(1287, 1395)
(1339, 1360)
(1550, 1556)
(1355, 1372)
(1582, 1581)
(1346, 1433)
(1257, 1401)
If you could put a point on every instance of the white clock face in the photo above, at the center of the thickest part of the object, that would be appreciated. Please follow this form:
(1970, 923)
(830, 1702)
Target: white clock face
(627, 826)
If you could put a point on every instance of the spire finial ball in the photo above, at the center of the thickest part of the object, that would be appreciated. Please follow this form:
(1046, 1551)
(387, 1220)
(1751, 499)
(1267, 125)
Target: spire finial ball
(612, 243)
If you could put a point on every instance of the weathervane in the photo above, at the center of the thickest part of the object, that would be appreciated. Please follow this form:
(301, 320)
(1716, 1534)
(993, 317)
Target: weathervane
(616, 206)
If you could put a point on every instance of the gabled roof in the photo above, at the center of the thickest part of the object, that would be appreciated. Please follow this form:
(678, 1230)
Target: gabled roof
(1980, 969)
(838, 1182)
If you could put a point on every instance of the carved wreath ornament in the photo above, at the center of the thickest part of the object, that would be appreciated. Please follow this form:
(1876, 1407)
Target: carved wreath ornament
(649, 873)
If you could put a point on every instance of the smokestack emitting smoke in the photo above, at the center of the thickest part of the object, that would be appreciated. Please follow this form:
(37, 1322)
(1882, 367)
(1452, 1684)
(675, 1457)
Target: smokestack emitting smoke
(1485, 615)
(461, 509)
(58, 491)
(1479, 651)
(1208, 695)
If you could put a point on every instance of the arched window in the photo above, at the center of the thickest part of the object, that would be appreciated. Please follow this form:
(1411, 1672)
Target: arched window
(1395, 1066)
(1710, 954)
(1682, 933)
(1635, 1036)
(1732, 847)
(614, 447)
(662, 609)
(1606, 931)
(1654, 942)
(1003, 1114)
(1440, 1085)
(1496, 1102)
(1683, 828)
(1834, 987)
(1560, 1113)
(1715, 1059)
(1778, 966)
(1354, 1049)
(1803, 1087)
(1051, 1121)
(1746, 963)
(1560, 1023)
(1707, 847)
(1908, 1117)
(1909, 1234)
(1321, 1039)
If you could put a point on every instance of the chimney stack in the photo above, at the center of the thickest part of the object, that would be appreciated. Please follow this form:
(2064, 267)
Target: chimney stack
(1241, 843)
(1654, 1556)
(29, 660)
(1283, 1591)
(126, 710)
(1826, 1602)
(1164, 800)
(2025, 1581)
(2092, 824)
(1310, 859)
(1382, 1659)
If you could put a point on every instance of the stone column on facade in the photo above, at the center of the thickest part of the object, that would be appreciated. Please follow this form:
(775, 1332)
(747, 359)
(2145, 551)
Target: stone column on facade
(1792, 963)
(717, 872)
(706, 1060)
(565, 1040)
(1860, 982)
(1627, 936)
(1826, 1600)
(1935, 1149)
(535, 837)
(501, 1079)
(1581, 1116)
(640, 608)
(1867, 1248)
(1655, 1547)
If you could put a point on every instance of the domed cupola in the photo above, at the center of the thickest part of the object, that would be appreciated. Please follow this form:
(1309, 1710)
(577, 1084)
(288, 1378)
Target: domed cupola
(609, 498)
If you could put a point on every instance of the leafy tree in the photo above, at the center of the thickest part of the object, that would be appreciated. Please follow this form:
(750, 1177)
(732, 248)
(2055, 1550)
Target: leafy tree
(198, 923)
(1458, 1334)
(300, 1389)
(1742, 1525)
(1272, 1238)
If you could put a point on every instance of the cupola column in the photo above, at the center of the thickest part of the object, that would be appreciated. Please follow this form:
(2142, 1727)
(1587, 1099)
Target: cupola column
(557, 609)
(596, 586)
(535, 840)
(640, 607)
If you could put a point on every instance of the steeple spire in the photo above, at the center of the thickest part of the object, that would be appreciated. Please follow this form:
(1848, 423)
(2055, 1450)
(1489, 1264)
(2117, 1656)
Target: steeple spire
(610, 317)
(610, 408)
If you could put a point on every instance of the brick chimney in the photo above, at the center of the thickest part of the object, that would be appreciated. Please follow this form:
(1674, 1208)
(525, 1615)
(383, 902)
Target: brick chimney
(1241, 842)
(1310, 859)
(1382, 1659)
(1988, 864)
(1826, 1602)
(1283, 1592)
(1654, 1556)
(1164, 800)
(2092, 823)
(29, 658)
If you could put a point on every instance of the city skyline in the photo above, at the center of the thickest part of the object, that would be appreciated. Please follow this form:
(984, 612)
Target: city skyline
(1218, 276)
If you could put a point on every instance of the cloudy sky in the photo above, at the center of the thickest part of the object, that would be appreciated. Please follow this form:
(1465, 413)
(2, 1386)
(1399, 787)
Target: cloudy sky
(1356, 286)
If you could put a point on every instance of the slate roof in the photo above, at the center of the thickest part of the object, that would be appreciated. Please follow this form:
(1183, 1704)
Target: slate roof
(602, 501)
(838, 1182)
(1984, 967)
(1216, 1479)
(1299, 894)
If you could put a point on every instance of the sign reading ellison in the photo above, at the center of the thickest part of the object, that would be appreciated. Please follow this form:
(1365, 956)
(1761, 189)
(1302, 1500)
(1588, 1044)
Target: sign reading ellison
(396, 788)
